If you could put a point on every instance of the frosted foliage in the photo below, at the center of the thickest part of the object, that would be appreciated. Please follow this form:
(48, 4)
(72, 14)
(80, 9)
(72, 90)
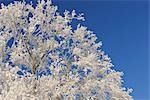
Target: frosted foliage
(43, 58)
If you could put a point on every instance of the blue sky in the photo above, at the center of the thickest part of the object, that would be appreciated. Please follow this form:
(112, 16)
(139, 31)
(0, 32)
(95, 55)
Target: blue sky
(122, 26)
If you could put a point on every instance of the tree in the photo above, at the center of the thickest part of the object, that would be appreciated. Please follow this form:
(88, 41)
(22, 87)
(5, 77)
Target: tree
(43, 58)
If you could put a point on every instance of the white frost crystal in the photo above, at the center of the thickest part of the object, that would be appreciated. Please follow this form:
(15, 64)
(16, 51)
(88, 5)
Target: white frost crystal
(43, 58)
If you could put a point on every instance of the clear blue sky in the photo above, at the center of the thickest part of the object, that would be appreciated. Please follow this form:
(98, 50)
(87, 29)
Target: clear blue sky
(123, 29)
(122, 26)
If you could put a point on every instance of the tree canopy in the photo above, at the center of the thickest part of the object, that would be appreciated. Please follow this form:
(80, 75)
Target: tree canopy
(43, 58)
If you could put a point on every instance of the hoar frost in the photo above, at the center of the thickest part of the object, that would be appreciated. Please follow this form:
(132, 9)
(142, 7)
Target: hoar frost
(43, 58)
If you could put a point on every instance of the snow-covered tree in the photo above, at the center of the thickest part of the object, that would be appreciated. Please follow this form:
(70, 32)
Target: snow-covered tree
(43, 58)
